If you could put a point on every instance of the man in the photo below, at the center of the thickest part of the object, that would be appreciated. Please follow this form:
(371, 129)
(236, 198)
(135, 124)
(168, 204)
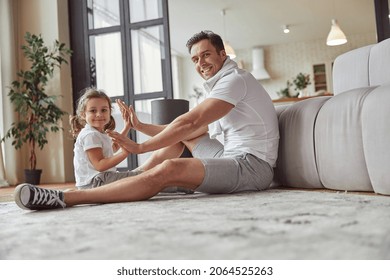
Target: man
(236, 105)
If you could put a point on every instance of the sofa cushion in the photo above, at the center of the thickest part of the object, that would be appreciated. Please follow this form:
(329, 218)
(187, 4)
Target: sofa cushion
(296, 164)
(376, 138)
(379, 66)
(350, 70)
(339, 142)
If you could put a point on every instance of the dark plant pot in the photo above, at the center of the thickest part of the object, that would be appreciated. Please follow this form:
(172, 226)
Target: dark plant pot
(32, 176)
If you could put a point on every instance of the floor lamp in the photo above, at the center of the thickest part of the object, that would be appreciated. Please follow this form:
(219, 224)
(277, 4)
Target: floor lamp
(165, 111)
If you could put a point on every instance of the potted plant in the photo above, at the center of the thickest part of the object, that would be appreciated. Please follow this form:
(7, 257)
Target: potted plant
(285, 92)
(301, 81)
(37, 112)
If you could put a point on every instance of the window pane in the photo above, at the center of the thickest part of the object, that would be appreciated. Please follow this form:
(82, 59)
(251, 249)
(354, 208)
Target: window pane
(144, 114)
(119, 124)
(141, 10)
(148, 52)
(106, 63)
(103, 13)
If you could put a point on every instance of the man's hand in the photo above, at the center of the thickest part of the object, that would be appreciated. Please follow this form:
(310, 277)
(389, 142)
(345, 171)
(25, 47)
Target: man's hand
(124, 142)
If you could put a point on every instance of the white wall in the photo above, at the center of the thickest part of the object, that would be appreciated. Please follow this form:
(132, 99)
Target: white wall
(283, 62)
(49, 18)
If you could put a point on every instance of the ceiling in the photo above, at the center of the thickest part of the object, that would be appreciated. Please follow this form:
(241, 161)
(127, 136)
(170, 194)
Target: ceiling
(251, 23)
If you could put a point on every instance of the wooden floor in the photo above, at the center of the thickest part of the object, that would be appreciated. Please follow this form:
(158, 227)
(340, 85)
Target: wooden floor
(6, 193)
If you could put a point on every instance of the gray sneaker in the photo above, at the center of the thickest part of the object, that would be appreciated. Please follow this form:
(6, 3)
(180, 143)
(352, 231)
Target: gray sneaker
(31, 197)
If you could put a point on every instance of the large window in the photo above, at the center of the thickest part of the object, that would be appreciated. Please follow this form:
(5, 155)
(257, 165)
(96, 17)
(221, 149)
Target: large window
(122, 47)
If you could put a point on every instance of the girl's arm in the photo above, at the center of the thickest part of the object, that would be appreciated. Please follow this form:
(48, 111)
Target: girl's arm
(100, 163)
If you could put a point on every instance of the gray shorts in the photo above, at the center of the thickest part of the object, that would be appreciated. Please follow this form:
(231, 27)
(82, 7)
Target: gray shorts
(245, 172)
(104, 178)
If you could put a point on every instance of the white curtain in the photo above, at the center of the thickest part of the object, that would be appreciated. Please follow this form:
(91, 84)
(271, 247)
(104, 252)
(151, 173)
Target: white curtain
(10, 161)
(3, 181)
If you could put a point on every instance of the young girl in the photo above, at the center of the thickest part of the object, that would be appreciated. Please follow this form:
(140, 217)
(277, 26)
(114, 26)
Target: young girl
(94, 152)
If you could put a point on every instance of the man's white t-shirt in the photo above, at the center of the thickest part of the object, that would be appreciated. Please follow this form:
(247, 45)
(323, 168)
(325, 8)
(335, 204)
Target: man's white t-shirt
(252, 125)
(87, 139)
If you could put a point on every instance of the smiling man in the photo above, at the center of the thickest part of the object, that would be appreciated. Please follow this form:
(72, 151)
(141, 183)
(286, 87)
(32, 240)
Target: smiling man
(207, 58)
(236, 106)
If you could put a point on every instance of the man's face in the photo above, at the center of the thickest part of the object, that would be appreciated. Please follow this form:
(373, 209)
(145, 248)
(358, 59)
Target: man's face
(206, 59)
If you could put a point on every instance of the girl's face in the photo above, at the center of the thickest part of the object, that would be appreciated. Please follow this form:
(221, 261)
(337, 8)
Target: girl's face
(97, 113)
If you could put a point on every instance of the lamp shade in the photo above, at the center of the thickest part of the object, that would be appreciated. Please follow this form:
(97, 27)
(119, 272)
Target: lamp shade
(336, 36)
(165, 111)
(229, 50)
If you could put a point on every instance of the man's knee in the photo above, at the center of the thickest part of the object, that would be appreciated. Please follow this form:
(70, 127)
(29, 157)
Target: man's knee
(171, 170)
(164, 170)
(168, 166)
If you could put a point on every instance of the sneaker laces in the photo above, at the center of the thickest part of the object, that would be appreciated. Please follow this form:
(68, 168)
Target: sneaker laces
(47, 197)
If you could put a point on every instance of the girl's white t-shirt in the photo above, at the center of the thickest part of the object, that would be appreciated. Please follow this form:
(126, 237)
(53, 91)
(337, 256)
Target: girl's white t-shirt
(87, 139)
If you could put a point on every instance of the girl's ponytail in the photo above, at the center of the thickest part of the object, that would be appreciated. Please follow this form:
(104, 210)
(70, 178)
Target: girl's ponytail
(76, 125)
(111, 124)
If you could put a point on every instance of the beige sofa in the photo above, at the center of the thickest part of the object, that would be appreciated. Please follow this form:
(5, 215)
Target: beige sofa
(341, 142)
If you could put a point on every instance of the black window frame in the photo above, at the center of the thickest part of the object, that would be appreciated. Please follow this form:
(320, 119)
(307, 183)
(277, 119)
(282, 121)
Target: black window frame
(382, 19)
(81, 70)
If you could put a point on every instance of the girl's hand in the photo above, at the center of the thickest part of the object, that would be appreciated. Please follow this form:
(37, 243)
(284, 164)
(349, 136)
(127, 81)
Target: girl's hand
(115, 147)
(128, 114)
(125, 115)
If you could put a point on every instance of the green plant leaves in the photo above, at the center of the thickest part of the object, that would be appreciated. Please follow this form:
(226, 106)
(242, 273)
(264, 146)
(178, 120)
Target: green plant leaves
(38, 113)
(301, 81)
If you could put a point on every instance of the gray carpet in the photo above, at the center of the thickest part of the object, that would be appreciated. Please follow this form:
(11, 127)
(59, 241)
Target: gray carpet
(275, 224)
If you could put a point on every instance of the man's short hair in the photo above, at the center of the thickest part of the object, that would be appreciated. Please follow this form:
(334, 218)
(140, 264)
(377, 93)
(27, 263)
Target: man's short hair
(214, 39)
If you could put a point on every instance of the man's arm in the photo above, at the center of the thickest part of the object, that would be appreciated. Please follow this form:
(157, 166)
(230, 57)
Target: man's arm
(184, 127)
(150, 129)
